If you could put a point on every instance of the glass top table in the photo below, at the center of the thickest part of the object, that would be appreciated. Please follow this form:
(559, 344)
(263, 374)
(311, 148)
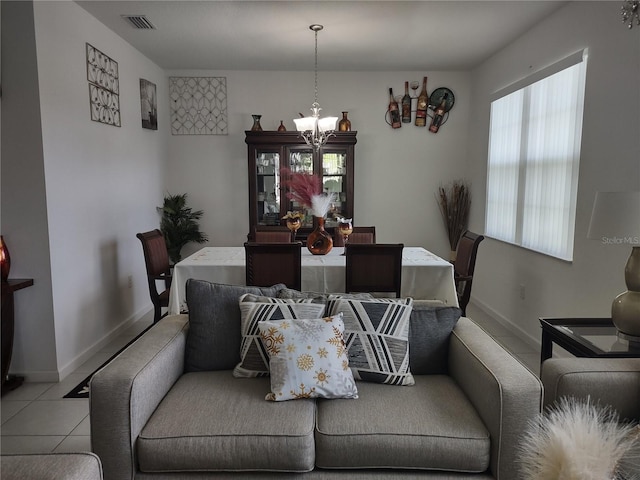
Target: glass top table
(586, 337)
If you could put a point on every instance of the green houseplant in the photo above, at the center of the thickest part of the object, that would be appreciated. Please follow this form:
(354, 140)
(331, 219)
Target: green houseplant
(179, 224)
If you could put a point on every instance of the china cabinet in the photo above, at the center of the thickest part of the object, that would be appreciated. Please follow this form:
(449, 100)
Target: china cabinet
(268, 152)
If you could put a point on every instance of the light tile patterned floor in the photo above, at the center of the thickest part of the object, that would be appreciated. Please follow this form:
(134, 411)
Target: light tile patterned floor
(36, 419)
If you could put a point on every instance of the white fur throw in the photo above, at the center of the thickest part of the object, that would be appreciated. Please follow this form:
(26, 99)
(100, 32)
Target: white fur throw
(578, 440)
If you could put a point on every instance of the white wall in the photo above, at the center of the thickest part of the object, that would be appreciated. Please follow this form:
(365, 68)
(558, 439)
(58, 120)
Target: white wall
(610, 160)
(24, 210)
(397, 172)
(101, 185)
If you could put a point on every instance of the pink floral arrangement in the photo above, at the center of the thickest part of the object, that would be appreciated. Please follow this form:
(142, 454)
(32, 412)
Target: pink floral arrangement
(306, 189)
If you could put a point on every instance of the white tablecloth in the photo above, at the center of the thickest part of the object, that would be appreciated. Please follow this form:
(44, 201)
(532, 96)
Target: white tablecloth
(425, 276)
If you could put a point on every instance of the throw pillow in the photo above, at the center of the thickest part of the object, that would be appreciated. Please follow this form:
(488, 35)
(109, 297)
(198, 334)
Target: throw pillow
(377, 335)
(254, 359)
(429, 331)
(213, 339)
(308, 359)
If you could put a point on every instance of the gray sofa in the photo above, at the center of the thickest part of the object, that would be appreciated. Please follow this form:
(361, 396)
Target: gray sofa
(607, 381)
(51, 466)
(158, 412)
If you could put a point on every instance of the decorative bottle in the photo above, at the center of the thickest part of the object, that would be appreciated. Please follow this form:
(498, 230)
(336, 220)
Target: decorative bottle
(406, 104)
(282, 128)
(438, 114)
(344, 125)
(423, 103)
(394, 111)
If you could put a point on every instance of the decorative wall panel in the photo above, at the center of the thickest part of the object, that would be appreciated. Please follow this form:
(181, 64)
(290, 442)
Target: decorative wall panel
(104, 87)
(198, 105)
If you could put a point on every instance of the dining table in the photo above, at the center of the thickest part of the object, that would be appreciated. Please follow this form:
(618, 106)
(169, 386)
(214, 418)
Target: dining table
(425, 276)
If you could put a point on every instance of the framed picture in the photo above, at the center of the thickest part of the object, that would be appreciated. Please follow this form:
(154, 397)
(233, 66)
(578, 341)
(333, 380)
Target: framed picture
(148, 104)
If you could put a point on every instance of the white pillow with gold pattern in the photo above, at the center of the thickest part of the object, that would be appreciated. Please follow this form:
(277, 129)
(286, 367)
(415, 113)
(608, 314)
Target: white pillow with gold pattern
(308, 359)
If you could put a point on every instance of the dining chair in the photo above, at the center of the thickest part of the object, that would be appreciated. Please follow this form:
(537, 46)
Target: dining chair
(465, 265)
(359, 235)
(271, 234)
(374, 267)
(156, 259)
(271, 263)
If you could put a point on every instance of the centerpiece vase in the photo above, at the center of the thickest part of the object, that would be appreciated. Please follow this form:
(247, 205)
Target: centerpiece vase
(319, 242)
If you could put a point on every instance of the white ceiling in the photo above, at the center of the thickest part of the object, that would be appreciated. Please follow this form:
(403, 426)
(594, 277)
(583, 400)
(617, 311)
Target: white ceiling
(363, 35)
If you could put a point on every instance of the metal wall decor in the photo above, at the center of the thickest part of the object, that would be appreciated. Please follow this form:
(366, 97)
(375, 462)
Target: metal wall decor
(198, 105)
(148, 104)
(104, 87)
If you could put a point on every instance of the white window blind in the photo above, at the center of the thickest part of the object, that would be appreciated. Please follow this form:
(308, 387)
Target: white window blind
(534, 155)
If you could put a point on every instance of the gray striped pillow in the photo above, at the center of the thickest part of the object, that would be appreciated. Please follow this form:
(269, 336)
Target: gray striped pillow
(376, 332)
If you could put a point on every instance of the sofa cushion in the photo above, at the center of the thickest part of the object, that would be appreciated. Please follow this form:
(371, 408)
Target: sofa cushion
(308, 359)
(431, 425)
(254, 359)
(213, 339)
(211, 421)
(377, 336)
(429, 331)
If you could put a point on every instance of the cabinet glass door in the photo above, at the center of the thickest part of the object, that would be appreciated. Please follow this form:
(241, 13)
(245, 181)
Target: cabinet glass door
(301, 161)
(268, 188)
(334, 173)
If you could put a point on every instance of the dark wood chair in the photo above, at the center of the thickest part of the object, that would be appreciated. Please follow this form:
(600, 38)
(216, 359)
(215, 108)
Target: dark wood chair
(465, 265)
(359, 235)
(272, 234)
(271, 263)
(375, 267)
(156, 259)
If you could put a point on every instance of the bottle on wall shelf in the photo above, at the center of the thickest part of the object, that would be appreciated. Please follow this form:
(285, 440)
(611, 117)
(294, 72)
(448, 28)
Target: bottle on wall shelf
(406, 104)
(394, 111)
(423, 103)
(438, 114)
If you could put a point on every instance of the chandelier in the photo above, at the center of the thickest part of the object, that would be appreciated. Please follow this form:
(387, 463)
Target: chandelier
(630, 11)
(315, 130)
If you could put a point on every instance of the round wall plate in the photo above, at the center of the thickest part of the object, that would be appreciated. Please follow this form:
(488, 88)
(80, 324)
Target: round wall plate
(438, 94)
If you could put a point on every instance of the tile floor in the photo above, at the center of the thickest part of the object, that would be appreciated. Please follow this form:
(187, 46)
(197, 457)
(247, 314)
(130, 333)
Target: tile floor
(36, 419)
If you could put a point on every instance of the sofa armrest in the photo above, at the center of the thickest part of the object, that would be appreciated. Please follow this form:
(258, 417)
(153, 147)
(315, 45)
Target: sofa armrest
(505, 393)
(125, 393)
(608, 381)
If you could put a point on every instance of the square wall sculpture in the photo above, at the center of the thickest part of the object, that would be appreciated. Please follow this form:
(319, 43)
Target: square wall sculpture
(198, 105)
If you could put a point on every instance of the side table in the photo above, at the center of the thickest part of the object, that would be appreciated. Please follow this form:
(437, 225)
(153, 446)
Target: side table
(585, 337)
(7, 313)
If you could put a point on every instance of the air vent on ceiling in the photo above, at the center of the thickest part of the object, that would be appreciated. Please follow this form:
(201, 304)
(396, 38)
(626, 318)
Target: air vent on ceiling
(139, 21)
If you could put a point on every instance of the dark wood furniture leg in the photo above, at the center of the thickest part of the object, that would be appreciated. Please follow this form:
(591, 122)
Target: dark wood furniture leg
(9, 382)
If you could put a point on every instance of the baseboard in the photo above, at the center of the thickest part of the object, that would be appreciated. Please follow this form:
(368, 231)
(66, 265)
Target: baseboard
(534, 343)
(80, 359)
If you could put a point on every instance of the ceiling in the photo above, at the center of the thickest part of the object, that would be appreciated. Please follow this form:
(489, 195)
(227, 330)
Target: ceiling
(363, 35)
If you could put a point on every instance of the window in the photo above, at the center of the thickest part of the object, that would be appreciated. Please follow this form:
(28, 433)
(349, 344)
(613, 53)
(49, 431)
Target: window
(534, 154)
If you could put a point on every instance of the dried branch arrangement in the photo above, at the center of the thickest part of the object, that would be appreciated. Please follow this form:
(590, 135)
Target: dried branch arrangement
(454, 201)
(306, 189)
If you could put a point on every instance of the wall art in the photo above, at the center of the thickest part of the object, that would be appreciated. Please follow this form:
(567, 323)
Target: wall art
(104, 87)
(148, 104)
(198, 105)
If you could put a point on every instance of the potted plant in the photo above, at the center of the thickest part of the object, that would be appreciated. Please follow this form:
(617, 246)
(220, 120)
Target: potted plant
(454, 201)
(179, 224)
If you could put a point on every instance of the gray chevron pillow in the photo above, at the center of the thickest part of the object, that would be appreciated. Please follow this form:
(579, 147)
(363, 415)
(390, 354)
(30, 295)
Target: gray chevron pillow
(254, 358)
(376, 332)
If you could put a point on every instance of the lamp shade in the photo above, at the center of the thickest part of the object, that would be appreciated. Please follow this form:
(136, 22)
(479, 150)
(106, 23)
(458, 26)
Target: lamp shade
(615, 218)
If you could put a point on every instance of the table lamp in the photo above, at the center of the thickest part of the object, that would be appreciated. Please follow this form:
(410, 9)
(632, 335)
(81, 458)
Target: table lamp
(615, 220)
